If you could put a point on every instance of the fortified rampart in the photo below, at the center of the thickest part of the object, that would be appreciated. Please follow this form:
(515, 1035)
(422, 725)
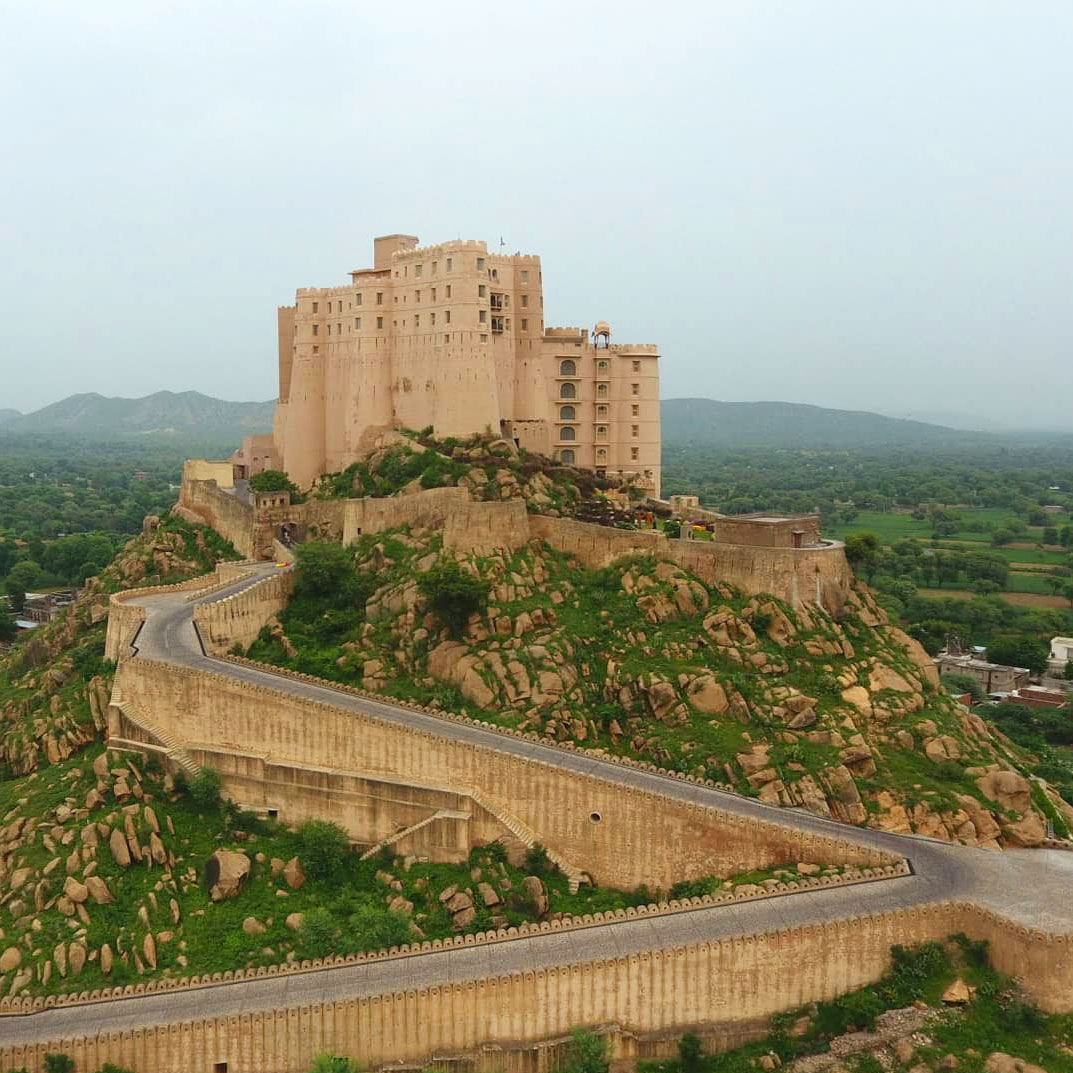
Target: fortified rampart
(817, 573)
(505, 1021)
(622, 837)
(237, 620)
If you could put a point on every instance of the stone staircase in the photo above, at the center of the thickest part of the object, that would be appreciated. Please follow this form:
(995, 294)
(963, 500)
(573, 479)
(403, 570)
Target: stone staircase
(173, 750)
(398, 836)
(528, 837)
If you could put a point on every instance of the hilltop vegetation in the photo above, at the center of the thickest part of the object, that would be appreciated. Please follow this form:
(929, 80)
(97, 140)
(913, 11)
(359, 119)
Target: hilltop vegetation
(645, 660)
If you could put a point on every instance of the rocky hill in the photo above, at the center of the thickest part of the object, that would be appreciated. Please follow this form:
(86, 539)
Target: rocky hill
(842, 717)
(54, 686)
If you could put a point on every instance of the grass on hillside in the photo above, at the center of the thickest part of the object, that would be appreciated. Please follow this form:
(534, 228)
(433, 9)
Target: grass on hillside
(998, 1018)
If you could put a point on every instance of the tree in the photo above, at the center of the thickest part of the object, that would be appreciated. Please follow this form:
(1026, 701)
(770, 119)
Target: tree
(1050, 535)
(587, 1053)
(1067, 592)
(8, 629)
(861, 549)
(325, 569)
(1018, 650)
(59, 1063)
(690, 1053)
(273, 480)
(453, 594)
(323, 847)
(963, 683)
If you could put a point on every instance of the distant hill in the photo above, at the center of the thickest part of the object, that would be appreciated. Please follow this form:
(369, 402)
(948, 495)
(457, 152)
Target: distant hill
(165, 414)
(707, 423)
(8, 415)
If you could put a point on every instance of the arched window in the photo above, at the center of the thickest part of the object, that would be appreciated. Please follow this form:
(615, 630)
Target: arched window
(567, 368)
(567, 433)
(567, 391)
(601, 366)
(567, 456)
(601, 391)
(601, 455)
(566, 413)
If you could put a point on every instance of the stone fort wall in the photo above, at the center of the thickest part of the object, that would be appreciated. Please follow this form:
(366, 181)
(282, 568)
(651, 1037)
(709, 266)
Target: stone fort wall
(806, 575)
(622, 837)
(498, 1021)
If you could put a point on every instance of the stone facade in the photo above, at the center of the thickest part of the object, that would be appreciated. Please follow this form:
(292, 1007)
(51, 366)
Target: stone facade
(453, 337)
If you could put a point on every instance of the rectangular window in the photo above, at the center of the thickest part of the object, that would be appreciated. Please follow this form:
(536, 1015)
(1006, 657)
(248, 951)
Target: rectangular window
(417, 296)
(447, 316)
(447, 291)
(636, 366)
(434, 294)
(525, 301)
(484, 338)
(339, 327)
(482, 316)
(482, 290)
(446, 337)
(357, 323)
(601, 411)
(315, 306)
(525, 325)
(418, 269)
(329, 307)
(379, 298)
(635, 410)
(316, 328)
(357, 299)
(635, 431)
(635, 453)
(417, 320)
(329, 327)
(379, 323)
(316, 350)
(635, 389)
(525, 276)
(434, 264)
(433, 316)
(480, 264)
(450, 263)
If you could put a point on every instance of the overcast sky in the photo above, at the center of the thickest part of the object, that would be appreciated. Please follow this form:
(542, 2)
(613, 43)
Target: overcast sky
(858, 204)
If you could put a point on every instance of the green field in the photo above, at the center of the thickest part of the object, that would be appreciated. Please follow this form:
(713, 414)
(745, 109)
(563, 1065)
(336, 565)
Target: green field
(891, 526)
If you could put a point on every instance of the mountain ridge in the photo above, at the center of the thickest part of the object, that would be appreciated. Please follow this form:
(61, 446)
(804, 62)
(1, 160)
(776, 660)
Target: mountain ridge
(710, 423)
(163, 413)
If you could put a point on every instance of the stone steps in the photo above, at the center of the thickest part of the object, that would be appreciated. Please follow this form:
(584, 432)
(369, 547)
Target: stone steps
(528, 837)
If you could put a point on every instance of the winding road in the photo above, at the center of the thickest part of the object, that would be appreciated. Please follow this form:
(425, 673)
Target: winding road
(1028, 887)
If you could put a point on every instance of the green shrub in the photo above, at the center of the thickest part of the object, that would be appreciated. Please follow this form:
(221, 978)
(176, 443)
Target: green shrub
(690, 1053)
(204, 789)
(963, 683)
(587, 1053)
(537, 862)
(323, 848)
(453, 594)
(319, 933)
(325, 1062)
(59, 1063)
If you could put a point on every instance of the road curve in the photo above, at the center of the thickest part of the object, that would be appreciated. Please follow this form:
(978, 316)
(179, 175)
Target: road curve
(1030, 888)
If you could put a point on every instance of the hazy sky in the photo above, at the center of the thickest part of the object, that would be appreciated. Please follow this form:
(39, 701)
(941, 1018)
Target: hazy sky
(859, 204)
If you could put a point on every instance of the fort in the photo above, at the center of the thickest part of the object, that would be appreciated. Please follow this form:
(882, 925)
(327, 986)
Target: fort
(433, 783)
(452, 337)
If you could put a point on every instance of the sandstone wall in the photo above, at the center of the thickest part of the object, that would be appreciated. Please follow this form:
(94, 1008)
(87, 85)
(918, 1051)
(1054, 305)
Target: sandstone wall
(798, 576)
(481, 528)
(225, 513)
(203, 469)
(494, 1021)
(622, 837)
(429, 508)
(238, 619)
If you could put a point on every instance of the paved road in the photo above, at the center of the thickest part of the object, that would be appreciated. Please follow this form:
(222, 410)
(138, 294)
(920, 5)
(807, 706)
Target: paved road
(1028, 887)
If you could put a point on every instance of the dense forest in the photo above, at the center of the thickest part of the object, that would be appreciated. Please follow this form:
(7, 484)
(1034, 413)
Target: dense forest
(67, 505)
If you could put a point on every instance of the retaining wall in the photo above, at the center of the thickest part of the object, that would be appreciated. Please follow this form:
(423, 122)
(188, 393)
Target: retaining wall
(624, 837)
(238, 619)
(493, 1022)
